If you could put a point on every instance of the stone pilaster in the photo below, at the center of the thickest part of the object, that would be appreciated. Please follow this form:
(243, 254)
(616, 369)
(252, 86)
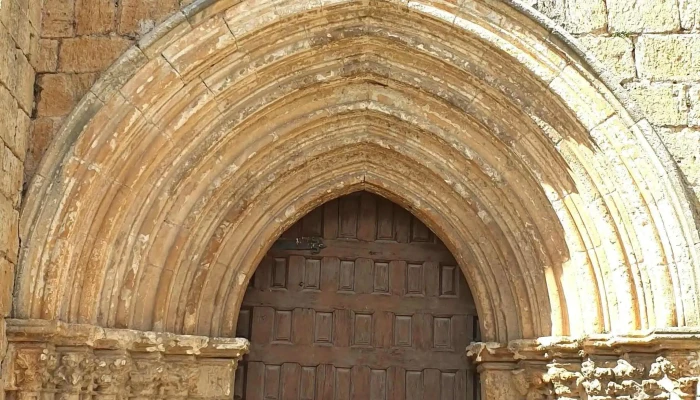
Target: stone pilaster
(56, 361)
(659, 365)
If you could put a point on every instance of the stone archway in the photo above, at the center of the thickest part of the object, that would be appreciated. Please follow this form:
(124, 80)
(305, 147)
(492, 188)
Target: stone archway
(177, 171)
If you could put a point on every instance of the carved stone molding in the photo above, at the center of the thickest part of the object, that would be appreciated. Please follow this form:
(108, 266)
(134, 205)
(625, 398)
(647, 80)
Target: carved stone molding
(655, 365)
(53, 360)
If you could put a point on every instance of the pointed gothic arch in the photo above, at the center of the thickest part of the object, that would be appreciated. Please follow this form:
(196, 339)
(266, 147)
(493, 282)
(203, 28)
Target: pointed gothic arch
(232, 119)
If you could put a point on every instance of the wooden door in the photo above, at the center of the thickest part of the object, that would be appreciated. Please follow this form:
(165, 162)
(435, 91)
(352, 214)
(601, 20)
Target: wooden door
(383, 312)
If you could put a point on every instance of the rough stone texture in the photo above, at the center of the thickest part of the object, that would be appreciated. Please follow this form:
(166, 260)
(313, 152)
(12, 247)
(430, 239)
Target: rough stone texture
(20, 24)
(669, 57)
(42, 132)
(663, 103)
(80, 38)
(58, 93)
(90, 53)
(684, 145)
(138, 17)
(647, 16)
(47, 60)
(48, 359)
(585, 16)
(661, 365)
(95, 16)
(616, 53)
(694, 102)
(58, 19)
(690, 14)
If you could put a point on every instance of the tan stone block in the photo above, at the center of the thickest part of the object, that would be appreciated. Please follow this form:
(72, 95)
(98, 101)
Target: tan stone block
(662, 103)
(47, 60)
(90, 54)
(7, 276)
(34, 13)
(10, 15)
(58, 19)
(58, 93)
(8, 106)
(22, 127)
(583, 97)
(615, 53)
(643, 16)
(694, 102)
(95, 16)
(42, 133)
(690, 14)
(684, 146)
(10, 176)
(212, 41)
(584, 16)
(9, 235)
(554, 9)
(669, 57)
(8, 72)
(137, 17)
(25, 34)
(24, 91)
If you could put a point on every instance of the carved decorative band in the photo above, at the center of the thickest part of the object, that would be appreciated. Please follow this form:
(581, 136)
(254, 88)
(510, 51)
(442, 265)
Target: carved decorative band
(657, 365)
(79, 362)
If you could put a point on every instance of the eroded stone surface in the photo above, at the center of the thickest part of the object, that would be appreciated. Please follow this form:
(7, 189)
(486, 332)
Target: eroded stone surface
(669, 57)
(663, 103)
(660, 68)
(643, 16)
(82, 360)
(616, 53)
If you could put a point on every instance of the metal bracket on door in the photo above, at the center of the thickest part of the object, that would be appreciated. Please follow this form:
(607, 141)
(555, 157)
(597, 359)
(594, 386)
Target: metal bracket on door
(315, 244)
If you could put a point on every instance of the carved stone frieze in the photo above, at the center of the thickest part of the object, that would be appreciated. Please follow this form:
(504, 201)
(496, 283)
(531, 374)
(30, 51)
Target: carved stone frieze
(61, 361)
(600, 368)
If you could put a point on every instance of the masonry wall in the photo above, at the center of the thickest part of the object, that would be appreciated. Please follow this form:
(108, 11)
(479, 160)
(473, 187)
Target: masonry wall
(20, 24)
(652, 46)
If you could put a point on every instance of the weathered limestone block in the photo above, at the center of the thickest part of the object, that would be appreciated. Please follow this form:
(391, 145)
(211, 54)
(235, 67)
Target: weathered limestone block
(59, 93)
(616, 53)
(669, 57)
(690, 14)
(694, 102)
(9, 235)
(663, 365)
(24, 92)
(8, 74)
(90, 53)
(7, 276)
(74, 361)
(57, 20)
(684, 146)
(584, 16)
(138, 17)
(554, 9)
(10, 175)
(643, 16)
(95, 16)
(47, 59)
(663, 103)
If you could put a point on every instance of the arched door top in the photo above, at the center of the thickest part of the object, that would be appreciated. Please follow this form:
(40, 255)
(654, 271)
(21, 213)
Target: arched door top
(169, 181)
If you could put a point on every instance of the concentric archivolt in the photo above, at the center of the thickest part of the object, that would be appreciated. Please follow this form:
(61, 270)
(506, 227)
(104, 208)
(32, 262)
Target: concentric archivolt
(187, 159)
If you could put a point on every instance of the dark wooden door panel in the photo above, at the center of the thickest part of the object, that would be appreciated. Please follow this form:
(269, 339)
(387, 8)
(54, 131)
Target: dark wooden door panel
(382, 312)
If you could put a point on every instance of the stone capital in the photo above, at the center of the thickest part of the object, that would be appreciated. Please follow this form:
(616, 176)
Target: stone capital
(77, 360)
(643, 365)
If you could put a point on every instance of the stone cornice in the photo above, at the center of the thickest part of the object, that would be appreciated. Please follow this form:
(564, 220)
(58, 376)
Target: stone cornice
(548, 348)
(62, 334)
(46, 357)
